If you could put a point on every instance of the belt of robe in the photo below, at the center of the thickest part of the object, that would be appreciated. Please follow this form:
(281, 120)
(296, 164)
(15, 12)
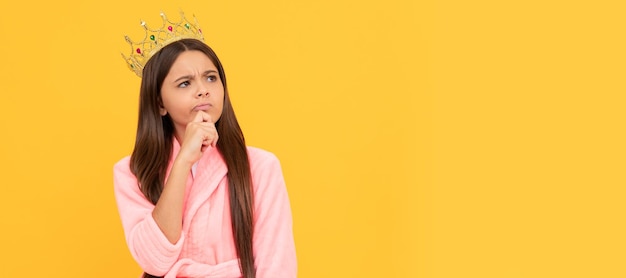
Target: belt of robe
(190, 268)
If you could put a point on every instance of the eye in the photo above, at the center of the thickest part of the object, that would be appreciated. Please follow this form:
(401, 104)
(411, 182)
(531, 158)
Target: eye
(184, 84)
(212, 78)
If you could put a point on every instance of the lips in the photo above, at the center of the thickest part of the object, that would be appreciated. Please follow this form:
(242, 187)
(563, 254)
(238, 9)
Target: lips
(202, 107)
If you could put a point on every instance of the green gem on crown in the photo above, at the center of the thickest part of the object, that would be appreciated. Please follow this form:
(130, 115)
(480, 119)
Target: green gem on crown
(152, 37)
(187, 25)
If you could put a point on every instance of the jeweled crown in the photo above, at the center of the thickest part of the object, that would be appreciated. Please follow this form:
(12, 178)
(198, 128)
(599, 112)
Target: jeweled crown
(155, 39)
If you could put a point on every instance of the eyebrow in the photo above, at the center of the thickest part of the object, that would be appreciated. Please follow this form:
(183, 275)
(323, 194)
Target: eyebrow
(190, 76)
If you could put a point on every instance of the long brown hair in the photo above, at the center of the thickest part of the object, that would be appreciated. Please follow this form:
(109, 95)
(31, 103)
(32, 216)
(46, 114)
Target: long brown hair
(153, 147)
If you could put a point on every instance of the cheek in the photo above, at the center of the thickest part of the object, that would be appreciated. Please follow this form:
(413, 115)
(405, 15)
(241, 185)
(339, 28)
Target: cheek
(165, 99)
(220, 104)
(166, 104)
(219, 98)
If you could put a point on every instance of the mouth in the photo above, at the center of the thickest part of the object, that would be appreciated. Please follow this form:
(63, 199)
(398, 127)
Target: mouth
(202, 107)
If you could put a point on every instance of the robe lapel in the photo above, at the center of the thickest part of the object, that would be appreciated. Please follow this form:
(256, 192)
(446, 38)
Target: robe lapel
(211, 171)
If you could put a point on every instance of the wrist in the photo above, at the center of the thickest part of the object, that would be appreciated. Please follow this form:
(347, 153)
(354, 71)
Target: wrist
(183, 163)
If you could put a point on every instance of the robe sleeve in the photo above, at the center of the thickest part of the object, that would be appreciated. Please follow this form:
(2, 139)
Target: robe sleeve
(274, 248)
(154, 253)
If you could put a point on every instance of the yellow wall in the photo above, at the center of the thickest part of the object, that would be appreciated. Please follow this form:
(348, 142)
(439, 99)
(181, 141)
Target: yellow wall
(418, 138)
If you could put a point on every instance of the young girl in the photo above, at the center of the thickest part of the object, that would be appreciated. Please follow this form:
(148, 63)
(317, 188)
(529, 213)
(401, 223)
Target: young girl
(193, 199)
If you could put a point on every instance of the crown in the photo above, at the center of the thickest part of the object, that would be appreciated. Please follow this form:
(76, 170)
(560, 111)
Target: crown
(155, 39)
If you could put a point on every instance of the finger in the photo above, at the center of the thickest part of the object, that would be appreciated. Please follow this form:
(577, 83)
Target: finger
(208, 130)
(214, 142)
(209, 141)
(198, 118)
(204, 117)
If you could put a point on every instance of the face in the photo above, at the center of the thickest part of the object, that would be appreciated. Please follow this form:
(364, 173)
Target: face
(193, 84)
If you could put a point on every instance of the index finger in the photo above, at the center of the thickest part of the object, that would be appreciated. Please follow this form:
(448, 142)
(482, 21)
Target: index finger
(202, 116)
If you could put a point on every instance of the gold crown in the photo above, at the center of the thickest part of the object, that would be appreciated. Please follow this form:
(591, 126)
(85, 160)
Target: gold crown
(155, 39)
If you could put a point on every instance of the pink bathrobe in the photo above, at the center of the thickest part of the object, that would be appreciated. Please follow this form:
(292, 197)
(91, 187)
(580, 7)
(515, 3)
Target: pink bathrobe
(206, 246)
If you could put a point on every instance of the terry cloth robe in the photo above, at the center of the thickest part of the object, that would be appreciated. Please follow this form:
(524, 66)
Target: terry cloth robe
(206, 246)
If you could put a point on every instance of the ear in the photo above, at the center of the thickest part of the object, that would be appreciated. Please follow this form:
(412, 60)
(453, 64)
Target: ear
(162, 109)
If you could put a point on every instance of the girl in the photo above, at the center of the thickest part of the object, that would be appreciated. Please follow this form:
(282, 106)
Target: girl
(193, 199)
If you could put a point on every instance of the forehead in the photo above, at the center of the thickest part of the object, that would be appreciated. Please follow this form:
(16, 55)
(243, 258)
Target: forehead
(191, 61)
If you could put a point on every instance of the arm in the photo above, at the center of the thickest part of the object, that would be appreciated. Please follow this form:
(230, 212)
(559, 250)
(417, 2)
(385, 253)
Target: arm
(148, 245)
(154, 233)
(274, 248)
(168, 213)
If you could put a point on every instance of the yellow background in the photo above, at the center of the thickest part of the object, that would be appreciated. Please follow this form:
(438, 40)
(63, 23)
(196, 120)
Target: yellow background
(418, 138)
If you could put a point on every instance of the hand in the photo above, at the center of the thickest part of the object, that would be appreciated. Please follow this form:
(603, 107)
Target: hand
(200, 134)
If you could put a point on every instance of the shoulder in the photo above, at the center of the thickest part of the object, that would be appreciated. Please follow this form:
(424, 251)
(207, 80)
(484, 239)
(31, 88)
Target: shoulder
(262, 161)
(257, 155)
(267, 175)
(122, 173)
(122, 165)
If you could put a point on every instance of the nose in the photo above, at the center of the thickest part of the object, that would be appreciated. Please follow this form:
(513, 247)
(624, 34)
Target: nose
(203, 91)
